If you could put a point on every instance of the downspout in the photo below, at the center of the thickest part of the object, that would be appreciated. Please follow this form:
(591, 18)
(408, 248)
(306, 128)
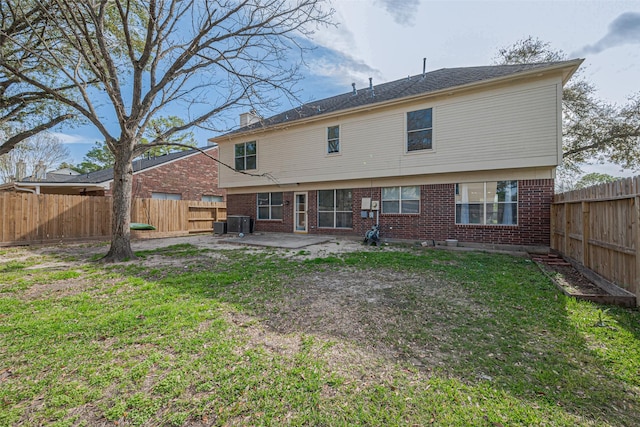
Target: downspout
(29, 190)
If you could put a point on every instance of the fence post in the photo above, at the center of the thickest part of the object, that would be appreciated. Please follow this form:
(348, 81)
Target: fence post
(567, 222)
(552, 234)
(586, 235)
(636, 242)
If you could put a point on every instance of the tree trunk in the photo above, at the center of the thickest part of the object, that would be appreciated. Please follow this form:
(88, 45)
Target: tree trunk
(121, 213)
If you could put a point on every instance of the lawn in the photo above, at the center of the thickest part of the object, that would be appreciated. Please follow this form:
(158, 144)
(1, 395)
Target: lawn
(397, 335)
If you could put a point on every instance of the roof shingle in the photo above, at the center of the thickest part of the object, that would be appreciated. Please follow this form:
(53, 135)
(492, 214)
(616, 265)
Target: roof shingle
(433, 81)
(107, 174)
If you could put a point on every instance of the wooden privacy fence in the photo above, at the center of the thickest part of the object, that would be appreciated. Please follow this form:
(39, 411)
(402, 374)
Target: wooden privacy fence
(27, 218)
(599, 227)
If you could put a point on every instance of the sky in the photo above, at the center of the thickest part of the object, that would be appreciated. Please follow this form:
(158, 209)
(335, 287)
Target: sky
(388, 39)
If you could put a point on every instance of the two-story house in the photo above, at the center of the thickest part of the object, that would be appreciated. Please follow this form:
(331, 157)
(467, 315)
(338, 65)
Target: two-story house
(460, 153)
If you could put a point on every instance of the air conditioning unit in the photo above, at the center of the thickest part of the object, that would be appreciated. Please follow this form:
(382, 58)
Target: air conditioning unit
(239, 224)
(219, 227)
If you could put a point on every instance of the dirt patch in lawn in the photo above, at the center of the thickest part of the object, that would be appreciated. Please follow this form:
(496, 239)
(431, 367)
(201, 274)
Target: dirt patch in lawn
(371, 308)
(58, 289)
(374, 309)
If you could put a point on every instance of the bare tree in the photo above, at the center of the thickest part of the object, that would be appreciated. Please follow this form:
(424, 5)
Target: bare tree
(593, 130)
(529, 51)
(43, 148)
(131, 61)
(25, 30)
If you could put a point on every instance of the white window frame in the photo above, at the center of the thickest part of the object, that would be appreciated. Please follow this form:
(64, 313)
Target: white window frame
(485, 203)
(400, 200)
(409, 131)
(329, 140)
(270, 206)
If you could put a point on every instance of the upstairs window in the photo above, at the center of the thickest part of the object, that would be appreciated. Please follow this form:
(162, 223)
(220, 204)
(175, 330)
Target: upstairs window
(419, 130)
(245, 154)
(487, 203)
(401, 200)
(269, 205)
(333, 139)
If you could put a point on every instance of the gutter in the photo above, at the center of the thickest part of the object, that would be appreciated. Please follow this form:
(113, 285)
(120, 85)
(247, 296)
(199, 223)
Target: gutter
(34, 188)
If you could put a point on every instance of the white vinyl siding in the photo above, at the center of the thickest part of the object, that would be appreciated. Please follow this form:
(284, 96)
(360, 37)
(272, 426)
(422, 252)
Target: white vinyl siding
(505, 128)
(520, 125)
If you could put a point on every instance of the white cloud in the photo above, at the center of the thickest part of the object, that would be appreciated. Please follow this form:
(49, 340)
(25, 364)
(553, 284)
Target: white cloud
(343, 68)
(339, 37)
(351, 51)
(339, 54)
(68, 138)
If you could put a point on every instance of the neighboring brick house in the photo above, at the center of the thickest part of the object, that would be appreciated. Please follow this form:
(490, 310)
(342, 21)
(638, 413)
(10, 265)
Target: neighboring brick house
(183, 175)
(462, 153)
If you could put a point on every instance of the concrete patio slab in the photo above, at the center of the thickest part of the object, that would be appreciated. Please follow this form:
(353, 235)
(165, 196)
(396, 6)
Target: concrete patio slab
(276, 240)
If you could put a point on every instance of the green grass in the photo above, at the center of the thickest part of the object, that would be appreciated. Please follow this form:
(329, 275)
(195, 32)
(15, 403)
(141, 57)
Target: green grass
(447, 338)
(182, 250)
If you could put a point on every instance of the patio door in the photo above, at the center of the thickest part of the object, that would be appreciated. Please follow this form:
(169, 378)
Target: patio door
(300, 212)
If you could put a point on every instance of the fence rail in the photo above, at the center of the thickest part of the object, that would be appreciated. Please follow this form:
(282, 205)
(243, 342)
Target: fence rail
(599, 227)
(27, 218)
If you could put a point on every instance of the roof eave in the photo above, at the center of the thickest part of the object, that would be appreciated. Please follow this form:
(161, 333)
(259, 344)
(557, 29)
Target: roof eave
(569, 67)
(571, 70)
(33, 185)
(148, 168)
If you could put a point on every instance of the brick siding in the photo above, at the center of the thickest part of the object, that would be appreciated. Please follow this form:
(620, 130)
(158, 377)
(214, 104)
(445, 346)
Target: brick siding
(192, 177)
(436, 220)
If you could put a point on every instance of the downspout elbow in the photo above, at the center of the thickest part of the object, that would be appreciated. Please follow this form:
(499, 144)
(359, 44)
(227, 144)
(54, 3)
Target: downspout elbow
(28, 190)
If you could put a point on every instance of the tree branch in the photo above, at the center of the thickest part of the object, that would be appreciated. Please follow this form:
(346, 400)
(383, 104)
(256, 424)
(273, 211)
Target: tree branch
(267, 175)
(16, 139)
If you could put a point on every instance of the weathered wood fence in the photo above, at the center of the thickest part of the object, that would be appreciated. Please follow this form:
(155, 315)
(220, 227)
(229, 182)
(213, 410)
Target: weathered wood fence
(27, 218)
(599, 227)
